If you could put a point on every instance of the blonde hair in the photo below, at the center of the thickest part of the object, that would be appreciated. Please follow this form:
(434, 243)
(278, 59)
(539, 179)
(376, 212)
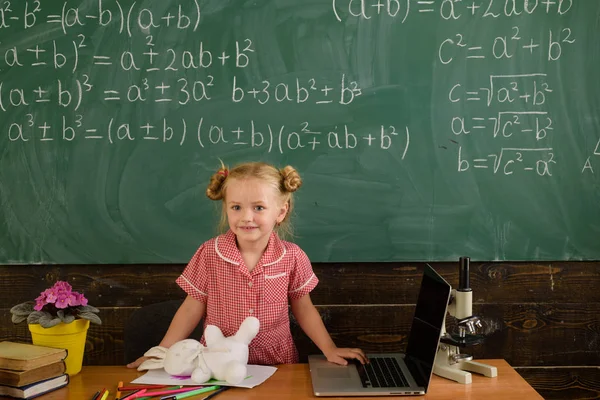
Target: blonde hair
(285, 181)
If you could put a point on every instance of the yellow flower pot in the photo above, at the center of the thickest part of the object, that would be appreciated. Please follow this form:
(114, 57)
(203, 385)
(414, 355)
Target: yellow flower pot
(64, 336)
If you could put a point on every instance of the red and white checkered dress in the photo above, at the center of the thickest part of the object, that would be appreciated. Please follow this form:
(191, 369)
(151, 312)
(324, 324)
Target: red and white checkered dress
(216, 275)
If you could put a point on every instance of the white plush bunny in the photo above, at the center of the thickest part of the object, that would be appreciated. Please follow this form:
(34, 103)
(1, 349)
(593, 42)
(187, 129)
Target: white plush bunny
(223, 358)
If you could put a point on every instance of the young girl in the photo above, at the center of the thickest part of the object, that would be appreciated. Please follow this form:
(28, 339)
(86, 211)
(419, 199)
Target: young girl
(250, 271)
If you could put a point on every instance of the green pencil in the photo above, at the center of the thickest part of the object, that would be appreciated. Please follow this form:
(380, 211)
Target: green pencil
(191, 393)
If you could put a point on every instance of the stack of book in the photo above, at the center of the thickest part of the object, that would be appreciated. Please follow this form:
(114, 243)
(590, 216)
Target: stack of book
(28, 371)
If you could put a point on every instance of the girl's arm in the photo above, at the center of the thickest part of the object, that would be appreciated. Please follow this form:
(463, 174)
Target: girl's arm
(311, 323)
(185, 320)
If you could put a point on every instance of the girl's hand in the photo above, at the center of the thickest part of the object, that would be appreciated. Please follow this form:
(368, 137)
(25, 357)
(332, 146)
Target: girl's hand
(137, 362)
(340, 355)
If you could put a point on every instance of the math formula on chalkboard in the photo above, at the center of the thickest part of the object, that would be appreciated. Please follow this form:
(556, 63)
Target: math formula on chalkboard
(424, 129)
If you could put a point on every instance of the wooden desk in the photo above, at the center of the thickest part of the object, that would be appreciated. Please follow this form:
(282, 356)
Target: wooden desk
(293, 382)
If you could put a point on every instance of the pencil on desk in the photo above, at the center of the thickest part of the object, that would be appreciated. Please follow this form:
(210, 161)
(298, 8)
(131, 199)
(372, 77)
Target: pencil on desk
(190, 393)
(210, 396)
(99, 394)
(134, 395)
(95, 395)
(118, 394)
(122, 388)
(171, 392)
(151, 395)
(104, 395)
(143, 394)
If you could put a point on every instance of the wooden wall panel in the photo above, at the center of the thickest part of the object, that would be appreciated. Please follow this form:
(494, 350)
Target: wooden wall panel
(559, 383)
(378, 328)
(103, 285)
(374, 283)
(543, 318)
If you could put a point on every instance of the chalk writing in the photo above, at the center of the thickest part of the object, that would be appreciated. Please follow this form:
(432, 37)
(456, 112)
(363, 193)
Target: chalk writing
(160, 72)
(508, 160)
(449, 10)
(587, 166)
(157, 79)
(507, 46)
(425, 129)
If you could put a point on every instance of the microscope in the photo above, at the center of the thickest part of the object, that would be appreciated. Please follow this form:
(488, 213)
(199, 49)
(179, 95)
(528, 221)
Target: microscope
(450, 363)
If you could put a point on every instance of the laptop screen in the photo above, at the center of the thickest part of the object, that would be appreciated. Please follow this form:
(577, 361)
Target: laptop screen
(427, 325)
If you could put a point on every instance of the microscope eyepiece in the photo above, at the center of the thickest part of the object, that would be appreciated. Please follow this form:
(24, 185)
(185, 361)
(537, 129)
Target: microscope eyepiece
(463, 275)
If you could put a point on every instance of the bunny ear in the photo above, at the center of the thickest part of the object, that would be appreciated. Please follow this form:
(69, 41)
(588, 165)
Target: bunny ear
(248, 330)
(152, 363)
(156, 352)
(213, 335)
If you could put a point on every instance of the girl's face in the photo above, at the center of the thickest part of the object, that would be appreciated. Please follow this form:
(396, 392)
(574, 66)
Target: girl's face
(253, 209)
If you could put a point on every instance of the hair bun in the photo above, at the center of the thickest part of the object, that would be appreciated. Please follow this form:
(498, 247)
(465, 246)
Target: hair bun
(214, 191)
(291, 179)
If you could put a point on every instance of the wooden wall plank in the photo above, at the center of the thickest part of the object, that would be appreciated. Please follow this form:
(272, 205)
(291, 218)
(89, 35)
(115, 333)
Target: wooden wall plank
(524, 335)
(559, 383)
(103, 285)
(363, 283)
(398, 283)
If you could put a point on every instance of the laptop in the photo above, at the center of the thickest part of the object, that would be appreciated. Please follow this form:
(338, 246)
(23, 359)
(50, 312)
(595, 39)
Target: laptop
(393, 374)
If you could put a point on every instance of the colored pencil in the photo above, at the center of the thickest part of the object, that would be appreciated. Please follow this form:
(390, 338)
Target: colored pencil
(190, 393)
(104, 395)
(172, 391)
(118, 394)
(134, 395)
(100, 394)
(138, 387)
(210, 396)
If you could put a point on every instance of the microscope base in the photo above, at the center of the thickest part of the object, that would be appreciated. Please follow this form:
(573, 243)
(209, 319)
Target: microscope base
(458, 371)
(452, 373)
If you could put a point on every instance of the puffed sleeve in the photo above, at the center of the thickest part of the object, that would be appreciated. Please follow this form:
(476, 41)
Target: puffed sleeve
(194, 278)
(302, 278)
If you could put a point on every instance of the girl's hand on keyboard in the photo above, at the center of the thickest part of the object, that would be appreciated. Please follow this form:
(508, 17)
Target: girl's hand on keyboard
(341, 355)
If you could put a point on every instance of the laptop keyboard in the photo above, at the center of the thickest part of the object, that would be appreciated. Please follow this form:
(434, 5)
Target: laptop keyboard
(381, 372)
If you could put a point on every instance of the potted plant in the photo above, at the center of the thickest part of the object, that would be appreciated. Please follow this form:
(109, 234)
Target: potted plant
(59, 317)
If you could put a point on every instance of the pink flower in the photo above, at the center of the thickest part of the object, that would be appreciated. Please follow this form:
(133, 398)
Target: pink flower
(72, 299)
(50, 295)
(39, 305)
(61, 295)
(81, 299)
(57, 303)
(62, 285)
(62, 301)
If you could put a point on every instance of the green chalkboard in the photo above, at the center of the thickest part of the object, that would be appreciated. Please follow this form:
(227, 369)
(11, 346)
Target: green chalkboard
(422, 130)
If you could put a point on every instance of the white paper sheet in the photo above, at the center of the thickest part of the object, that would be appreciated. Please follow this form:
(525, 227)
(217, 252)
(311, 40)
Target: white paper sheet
(257, 374)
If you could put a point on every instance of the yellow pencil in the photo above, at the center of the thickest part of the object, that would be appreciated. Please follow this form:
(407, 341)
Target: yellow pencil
(105, 395)
(118, 394)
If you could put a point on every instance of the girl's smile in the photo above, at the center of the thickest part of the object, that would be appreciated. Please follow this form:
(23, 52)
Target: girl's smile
(253, 209)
